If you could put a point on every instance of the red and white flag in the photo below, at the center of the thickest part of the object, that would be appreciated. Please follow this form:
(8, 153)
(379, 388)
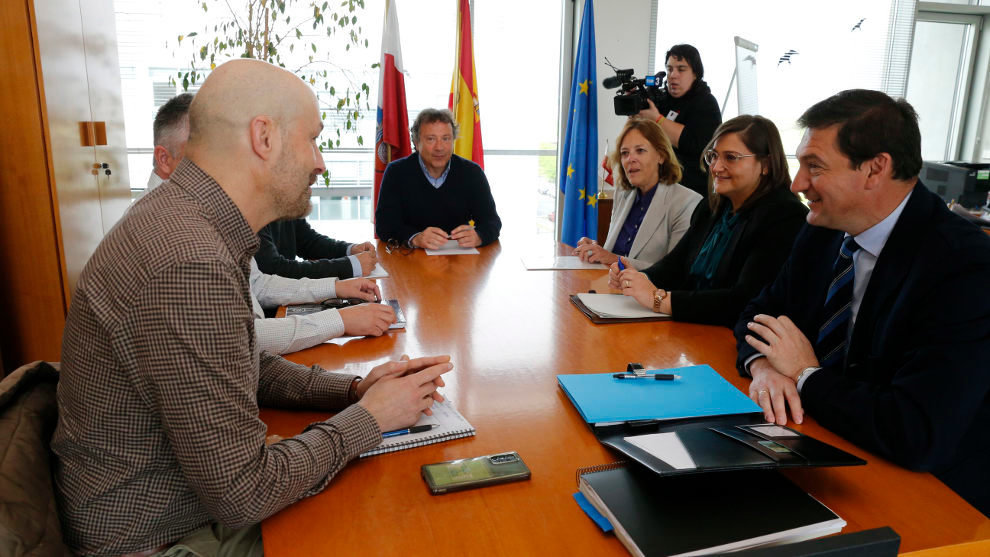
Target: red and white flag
(392, 133)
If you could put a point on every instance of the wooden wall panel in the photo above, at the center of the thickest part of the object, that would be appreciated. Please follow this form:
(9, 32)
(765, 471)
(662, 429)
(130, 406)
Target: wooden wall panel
(32, 288)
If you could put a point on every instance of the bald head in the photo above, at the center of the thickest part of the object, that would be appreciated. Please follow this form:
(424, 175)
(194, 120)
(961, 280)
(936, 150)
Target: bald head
(255, 129)
(236, 93)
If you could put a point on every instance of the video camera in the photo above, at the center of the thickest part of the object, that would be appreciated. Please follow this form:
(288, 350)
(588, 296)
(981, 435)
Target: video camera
(633, 94)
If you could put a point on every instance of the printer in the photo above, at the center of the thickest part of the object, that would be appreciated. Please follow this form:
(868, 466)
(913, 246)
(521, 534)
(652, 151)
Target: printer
(966, 183)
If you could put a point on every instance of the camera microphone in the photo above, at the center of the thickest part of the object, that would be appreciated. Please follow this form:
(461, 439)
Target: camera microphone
(611, 82)
(620, 77)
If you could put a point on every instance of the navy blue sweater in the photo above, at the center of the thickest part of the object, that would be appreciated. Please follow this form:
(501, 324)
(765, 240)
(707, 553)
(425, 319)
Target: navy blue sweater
(408, 203)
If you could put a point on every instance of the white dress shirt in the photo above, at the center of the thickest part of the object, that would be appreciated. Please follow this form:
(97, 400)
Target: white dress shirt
(153, 181)
(871, 242)
(289, 334)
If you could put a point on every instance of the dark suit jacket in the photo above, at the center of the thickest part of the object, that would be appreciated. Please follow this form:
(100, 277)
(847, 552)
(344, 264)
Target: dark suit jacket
(282, 241)
(757, 249)
(916, 381)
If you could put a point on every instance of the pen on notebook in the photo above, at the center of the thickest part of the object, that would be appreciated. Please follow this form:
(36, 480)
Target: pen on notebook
(408, 430)
(654, 376)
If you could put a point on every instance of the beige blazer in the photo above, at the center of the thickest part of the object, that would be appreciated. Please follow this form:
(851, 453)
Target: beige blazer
(667, 219)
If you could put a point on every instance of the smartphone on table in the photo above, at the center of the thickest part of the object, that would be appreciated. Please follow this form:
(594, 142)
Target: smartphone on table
(467, 473)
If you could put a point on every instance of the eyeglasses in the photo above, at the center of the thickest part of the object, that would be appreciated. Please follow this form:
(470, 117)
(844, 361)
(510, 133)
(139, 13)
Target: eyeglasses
(394, 245)
(711, 157)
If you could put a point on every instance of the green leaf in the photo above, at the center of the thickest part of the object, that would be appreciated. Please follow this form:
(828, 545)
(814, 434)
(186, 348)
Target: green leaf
(333, 91)
(340, 104)
(313, 45)
(193, 34)
(360, 140)
(202, 53)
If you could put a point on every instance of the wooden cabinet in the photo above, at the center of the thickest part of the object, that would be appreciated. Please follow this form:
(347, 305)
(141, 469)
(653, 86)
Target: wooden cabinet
(53, 209)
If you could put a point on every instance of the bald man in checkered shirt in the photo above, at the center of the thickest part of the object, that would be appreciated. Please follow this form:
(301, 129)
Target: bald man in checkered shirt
(159, 446)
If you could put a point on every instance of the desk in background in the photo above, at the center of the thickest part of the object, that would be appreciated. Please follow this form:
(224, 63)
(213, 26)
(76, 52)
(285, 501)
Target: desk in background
(510, 332)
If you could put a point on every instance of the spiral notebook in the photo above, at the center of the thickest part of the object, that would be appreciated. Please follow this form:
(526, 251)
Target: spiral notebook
(449, 425)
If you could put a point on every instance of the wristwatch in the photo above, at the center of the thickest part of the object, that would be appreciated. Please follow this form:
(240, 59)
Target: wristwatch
(658, 295)
(352, 395)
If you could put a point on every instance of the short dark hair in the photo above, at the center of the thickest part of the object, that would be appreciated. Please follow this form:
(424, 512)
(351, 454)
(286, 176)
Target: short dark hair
(169, 115)
(689, 54)
(761, 137)
(429, 116)
(870, 123)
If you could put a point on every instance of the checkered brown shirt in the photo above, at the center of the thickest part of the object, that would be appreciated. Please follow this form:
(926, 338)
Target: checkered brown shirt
(158, 429)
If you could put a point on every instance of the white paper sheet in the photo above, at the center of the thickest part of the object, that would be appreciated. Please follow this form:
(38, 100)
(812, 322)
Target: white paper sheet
(615, 305)
(378, 272)
(451, 248)
(665, 446)
(559, 263)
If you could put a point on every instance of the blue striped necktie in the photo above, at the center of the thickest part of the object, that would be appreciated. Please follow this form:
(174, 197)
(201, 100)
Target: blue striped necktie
(832, 335)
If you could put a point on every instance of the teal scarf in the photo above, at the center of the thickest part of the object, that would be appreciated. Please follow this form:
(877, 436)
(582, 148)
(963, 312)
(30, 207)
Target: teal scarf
(704, 266)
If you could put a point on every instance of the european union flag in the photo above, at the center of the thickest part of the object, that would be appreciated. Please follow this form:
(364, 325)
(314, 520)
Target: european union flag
(579, 167)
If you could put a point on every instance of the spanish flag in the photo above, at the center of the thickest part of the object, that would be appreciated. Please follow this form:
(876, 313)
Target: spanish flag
(464, 91)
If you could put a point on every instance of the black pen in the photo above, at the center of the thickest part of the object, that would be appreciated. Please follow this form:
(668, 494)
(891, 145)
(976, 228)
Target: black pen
(655, 376)
(405, 431)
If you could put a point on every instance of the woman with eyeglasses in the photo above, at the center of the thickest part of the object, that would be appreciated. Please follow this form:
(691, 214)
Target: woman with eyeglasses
(737, 241)
(651, 210)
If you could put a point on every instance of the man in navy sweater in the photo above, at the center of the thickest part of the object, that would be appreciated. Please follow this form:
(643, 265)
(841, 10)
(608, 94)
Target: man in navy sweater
(432, 195)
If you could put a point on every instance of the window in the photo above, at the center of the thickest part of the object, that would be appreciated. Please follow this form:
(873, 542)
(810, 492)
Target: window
(517, 83)
(837, 45)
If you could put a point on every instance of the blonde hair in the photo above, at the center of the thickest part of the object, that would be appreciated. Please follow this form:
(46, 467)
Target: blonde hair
(670, 168)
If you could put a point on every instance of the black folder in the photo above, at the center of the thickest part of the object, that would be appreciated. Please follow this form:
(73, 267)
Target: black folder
(727, 443)
(654, 515)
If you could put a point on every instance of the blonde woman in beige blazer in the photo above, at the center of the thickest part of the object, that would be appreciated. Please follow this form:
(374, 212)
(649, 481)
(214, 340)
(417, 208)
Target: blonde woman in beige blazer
(651, 210)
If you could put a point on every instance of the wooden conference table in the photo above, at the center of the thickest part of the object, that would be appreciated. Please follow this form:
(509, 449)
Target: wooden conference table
(510, 332)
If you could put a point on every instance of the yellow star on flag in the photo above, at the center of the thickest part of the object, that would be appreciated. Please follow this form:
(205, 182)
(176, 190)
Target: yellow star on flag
(592, 200)
(570, 170)
(582, 194)
(584, 87)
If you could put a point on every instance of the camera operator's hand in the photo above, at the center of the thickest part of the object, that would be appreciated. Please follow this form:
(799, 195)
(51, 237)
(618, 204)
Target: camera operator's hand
(650, 113)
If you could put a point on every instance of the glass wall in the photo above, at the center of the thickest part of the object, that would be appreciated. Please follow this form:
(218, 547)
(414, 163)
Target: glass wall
(807, 50)
(517, 60)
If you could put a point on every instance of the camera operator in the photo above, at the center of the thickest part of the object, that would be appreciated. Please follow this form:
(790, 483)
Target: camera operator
(687, 113)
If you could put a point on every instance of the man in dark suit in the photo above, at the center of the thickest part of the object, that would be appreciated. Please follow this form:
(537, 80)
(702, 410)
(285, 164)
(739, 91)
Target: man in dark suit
(282, 241)
(879, 323)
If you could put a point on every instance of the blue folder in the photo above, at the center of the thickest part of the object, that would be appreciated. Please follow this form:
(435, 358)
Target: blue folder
(700, 392)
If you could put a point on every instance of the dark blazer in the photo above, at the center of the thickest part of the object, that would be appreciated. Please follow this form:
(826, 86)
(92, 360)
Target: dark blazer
(915, 387)
(757, 249)
(282, 241)
(408, 203)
